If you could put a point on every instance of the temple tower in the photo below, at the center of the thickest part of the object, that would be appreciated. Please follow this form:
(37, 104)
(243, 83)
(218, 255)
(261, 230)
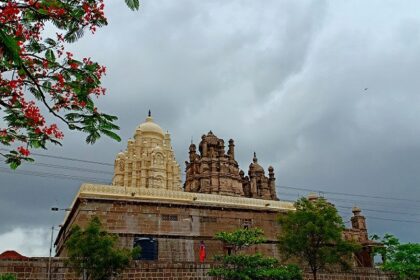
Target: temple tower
(256, 184)
(213, 171)
(149, 161)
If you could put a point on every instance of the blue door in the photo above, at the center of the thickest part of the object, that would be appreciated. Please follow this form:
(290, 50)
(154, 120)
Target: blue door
(149, 248)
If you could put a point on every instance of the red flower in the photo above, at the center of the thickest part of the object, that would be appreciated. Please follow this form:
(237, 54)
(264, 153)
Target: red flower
(23, 151)
(74, 65)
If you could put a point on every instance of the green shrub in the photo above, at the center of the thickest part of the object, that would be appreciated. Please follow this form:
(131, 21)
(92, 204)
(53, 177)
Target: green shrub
(7, 276)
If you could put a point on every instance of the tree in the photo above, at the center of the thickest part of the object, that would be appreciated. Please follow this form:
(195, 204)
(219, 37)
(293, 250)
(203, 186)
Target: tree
(313, 234)
(241, 238)
(38, 74)
(238, 266)
(401, 259)
(93, 252)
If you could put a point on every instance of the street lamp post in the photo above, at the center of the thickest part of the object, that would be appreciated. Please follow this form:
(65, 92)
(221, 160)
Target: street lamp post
(49, 259)
(55, 209)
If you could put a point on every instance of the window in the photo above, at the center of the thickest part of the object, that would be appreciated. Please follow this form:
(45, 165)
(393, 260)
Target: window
(169, 217)
(246, 223)
(149, 248)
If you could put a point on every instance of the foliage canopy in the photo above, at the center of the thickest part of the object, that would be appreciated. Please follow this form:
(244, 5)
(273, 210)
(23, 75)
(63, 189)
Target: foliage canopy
(93, 252)
(401, 259)
(7, 276)
(238, 266)
(313, 234)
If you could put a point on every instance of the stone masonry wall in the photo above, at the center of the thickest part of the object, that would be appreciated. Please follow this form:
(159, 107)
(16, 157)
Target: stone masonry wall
(178, 228)
(37, 269)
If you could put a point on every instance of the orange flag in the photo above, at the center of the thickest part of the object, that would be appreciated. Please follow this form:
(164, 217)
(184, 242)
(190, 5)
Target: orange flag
(202, 251)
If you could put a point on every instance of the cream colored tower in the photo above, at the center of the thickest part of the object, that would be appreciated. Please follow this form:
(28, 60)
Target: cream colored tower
(149, 161)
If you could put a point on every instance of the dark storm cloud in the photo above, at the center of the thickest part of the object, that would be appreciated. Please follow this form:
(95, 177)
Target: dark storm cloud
(285, 79)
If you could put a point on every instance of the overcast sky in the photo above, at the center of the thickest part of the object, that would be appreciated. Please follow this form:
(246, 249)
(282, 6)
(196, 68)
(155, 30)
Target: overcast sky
(327, 92)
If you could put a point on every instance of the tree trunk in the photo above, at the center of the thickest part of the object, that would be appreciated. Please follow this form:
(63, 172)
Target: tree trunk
(314, 274)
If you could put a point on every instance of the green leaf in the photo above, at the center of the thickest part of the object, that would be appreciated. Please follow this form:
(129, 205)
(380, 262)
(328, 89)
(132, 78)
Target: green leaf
(133, 4)
(35, 144)
(14, 164)
(51, 42)
(42, 11)
(35, 46)
(38, 95)
(28, 159)
(111, 135)
(11, 48)
(49, 55)
(109, 117)
(21, 72)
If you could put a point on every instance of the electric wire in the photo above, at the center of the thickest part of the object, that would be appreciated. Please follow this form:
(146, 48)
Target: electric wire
(102, 180)
(348, 194)
(54, 175)
(280, 186)
(376, 204)
(57, 166)
(67, 158)
(294, 195)
(381, 211)
(364, 209)
(394, 220)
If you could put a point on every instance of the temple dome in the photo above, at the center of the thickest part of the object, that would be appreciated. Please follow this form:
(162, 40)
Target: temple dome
(149, 126)
(255, 165)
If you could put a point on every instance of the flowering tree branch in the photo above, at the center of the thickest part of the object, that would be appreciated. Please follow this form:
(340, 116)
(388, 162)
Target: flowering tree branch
(38, 72)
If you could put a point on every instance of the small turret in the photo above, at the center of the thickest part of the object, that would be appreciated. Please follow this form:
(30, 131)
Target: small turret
(192, 152)
(271, 172)
(272, 183)
(231, 151)
(358, 222)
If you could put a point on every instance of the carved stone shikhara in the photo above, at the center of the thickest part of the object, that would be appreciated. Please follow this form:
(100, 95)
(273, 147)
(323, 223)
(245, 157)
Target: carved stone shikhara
(216, 172)
(149, 161)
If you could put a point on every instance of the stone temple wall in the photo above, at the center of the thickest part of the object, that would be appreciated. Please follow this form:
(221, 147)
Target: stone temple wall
(179, 221)
(37, 269)
(178, 228)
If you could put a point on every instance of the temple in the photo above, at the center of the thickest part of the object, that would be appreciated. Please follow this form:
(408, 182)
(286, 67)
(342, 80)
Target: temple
(216, 171)
(146, 206)
(149, 160)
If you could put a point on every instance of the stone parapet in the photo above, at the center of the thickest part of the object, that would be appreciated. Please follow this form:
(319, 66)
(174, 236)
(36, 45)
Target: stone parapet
(180, 196)
(37, 269)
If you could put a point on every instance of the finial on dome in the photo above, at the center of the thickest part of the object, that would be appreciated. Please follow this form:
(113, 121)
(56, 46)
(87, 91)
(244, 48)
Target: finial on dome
(255, 158)
(356, 210)
(150, 113)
